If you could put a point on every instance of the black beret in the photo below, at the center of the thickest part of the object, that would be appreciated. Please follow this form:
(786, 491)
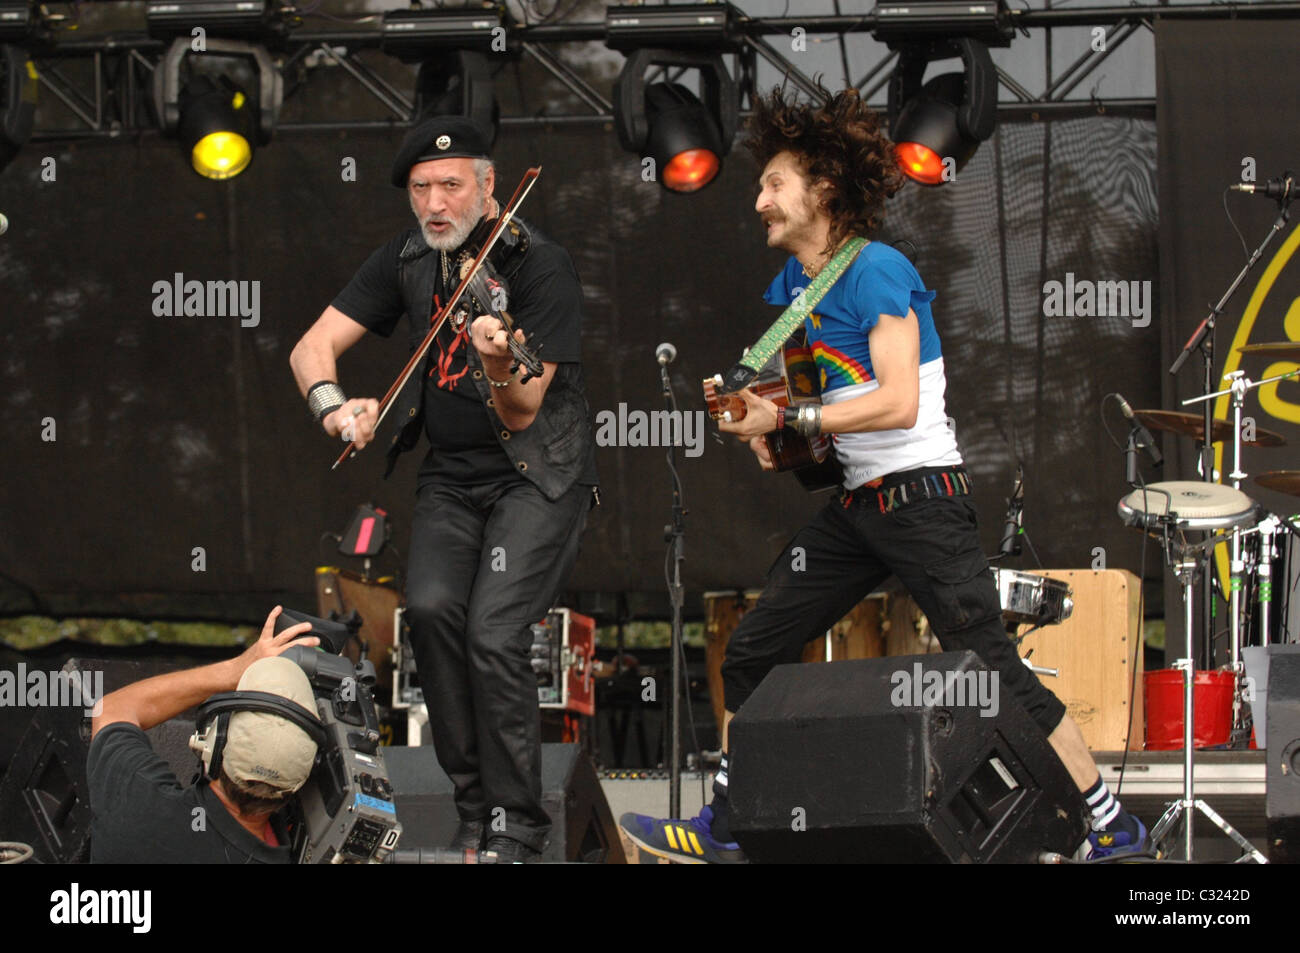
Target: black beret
(439, 137)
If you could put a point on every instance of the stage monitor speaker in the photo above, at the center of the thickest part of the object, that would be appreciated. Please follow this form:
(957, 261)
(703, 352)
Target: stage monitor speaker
(1282, 779)
(911, 759)
(582, 827)
(44, 797)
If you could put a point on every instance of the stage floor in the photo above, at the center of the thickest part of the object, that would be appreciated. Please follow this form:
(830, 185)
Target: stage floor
(1231, 782)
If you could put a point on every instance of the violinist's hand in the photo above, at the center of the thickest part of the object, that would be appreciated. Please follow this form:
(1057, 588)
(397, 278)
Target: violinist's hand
(355, 421)
(759, 446)
(489, 337)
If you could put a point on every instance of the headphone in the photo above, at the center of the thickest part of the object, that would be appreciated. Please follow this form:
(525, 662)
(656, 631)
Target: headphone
(212, 723)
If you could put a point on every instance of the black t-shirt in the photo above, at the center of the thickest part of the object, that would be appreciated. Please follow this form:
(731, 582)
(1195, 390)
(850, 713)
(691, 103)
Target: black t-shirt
(545, 300)
(142, 815)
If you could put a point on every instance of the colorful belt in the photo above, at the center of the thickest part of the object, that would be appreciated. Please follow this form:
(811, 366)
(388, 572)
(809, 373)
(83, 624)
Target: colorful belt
(889, 492)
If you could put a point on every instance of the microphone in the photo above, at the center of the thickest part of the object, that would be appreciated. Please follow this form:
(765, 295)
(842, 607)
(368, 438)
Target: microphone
(1015, 517)
(1143, 435)
(665, 354)
(4, 224)
(1274, 188)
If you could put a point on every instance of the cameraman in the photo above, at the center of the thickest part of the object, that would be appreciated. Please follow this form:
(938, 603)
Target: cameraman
(142, 814)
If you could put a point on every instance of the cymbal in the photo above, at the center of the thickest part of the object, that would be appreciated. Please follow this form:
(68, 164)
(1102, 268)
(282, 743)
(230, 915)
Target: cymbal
(1193, 425)
(1284, 481)
(1275, 349)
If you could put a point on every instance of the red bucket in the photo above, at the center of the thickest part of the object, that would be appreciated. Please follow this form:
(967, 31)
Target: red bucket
(1164, 709)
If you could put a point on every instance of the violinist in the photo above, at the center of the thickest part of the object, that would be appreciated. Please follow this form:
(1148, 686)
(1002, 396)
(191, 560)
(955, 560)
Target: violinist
(504, 489)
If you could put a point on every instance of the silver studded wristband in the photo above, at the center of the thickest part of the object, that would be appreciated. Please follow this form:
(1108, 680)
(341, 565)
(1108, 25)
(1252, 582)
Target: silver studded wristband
(323, 398)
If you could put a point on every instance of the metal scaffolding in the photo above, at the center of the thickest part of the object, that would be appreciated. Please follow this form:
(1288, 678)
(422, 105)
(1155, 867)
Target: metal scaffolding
(111, 95)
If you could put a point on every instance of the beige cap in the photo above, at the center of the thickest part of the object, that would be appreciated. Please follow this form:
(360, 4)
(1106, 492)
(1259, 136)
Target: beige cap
(265, 747)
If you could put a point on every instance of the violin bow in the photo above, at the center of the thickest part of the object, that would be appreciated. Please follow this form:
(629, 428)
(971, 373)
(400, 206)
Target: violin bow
(504, 219)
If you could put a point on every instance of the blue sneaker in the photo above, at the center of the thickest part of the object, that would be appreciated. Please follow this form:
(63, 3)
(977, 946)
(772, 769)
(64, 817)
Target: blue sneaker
(1112, 843)
(684, 842)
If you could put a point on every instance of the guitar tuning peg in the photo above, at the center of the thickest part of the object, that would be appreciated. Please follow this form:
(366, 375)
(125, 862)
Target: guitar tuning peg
(727, 416)
(717, 379)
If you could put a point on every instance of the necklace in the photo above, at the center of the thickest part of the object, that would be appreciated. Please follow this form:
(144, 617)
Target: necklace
(459, 318)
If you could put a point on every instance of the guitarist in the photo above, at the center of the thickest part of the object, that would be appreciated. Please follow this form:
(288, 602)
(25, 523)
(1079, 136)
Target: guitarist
(504, 491)
(905, 506)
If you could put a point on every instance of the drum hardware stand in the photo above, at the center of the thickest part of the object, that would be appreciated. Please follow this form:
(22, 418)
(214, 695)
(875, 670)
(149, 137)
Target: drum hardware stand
(1017, 638)
(1203, 339)
(1039, 669)
(1186, 569)
(1237, 389)
(1267, 530)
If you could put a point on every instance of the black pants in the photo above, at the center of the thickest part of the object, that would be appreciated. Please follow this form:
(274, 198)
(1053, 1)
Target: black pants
(844, 553)
(487, 562)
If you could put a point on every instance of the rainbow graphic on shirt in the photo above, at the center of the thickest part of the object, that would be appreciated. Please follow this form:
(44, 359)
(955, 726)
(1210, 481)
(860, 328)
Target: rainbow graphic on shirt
(837, 368)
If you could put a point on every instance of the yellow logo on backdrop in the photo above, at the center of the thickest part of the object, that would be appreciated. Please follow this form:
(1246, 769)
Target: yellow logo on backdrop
(1268, 397)
(1270, 400)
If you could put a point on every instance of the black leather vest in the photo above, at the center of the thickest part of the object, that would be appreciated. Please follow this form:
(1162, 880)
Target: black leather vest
(558, 447)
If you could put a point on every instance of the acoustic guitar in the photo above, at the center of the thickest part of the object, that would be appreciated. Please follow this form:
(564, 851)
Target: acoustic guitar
(811, 460)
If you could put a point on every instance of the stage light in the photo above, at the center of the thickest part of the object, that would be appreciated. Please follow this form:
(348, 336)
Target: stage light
(676, 25)
(452, 48)
(215, 127)
(684, 137)
(920, 162)
(938, 126)
(17, 102)
(458, 83)
(684, 140)
(168, 18)
(410, 35)
(15, 20)
(220, 104)
(907, 21)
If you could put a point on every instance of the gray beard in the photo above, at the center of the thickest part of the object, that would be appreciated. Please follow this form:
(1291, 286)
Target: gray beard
(453, 239)
(448, 241)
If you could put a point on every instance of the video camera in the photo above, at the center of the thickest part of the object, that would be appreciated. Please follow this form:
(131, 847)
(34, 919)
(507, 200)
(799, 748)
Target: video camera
(345, 812)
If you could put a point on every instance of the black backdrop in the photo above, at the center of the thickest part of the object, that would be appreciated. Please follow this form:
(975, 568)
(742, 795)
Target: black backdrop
(183, 432)
(1228, 91)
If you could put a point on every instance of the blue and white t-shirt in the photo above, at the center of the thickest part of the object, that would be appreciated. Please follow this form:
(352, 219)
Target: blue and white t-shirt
(880, 281)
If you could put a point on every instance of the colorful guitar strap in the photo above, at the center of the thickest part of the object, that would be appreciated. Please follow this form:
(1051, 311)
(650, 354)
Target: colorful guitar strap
(791, 318)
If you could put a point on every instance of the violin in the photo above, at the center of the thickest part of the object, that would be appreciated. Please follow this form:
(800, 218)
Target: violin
(489, 295)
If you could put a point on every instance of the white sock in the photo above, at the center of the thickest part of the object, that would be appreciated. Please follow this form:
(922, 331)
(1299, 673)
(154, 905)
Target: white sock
(1102, 804)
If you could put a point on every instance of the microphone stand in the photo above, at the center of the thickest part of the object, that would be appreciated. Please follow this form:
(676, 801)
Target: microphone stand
(1203, 339)
(675, 536)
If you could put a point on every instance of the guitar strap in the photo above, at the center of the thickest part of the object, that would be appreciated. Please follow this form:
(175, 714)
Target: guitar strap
(791, 318)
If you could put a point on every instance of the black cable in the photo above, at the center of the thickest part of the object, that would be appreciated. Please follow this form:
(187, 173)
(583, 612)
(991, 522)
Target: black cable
(1140, 641)
(1101, 411)
(1139, 644)
(1240, 237)
(1033, 552)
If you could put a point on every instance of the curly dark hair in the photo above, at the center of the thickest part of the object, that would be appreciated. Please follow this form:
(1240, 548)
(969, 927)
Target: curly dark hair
(840, 143)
